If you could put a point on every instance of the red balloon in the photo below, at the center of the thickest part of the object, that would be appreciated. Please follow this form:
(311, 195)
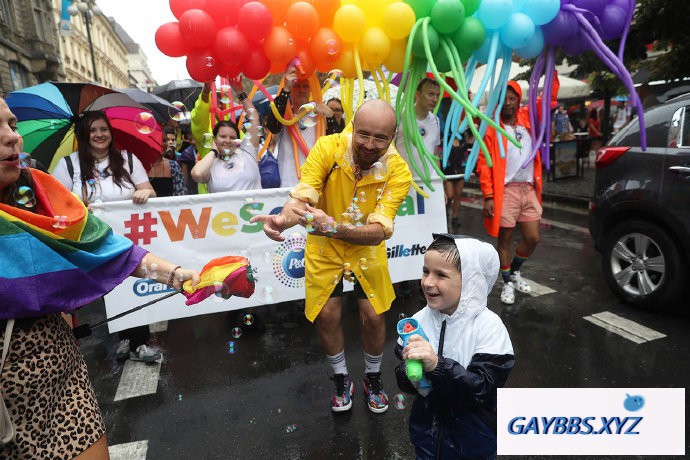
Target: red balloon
(325, 46)
(280, 46)
(178, 7)
(169, 40)
(278, 9)
(257, 65)
(255, 21)
(224, 12)
(202, 66)
(198, 28)
(230, 70)
(302, 20)
(230, 46)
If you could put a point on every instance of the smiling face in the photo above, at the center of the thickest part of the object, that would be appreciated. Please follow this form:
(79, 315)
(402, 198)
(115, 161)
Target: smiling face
(373, 130)
(99, 137)
(226, 139)
(441, 282)
(10, 146)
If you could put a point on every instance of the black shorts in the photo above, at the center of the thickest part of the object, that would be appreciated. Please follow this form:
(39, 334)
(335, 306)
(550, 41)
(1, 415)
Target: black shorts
(338, 291)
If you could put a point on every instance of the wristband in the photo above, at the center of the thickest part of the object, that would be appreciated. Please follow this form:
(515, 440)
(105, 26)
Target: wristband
(171, 276)
(241, 96)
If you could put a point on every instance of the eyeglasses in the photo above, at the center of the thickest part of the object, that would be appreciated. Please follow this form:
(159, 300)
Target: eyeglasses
(379, 142)
(337, 110)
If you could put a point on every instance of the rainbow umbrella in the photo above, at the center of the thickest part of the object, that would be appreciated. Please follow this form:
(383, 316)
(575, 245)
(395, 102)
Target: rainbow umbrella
(47, 112)
(223, 277)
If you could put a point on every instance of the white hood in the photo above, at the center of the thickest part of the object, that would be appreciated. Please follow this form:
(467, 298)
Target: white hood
(472, 328)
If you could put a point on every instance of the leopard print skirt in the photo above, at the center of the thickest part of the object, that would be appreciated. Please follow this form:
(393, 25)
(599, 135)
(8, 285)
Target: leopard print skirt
(48, 393)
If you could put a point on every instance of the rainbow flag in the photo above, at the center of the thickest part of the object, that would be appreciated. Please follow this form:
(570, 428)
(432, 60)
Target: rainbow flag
(224, 277)
(59, 258)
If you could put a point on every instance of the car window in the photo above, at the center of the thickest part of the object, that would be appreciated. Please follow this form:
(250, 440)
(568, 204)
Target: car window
(679, 131)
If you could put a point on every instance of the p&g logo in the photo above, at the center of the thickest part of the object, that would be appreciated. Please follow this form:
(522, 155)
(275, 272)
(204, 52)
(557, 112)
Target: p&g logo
(288, 261)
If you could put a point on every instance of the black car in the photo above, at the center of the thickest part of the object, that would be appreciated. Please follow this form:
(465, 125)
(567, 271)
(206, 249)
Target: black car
(640, 211)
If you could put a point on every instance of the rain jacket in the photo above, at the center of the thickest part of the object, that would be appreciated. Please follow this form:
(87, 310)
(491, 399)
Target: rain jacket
(328, 182)
(492, 179)
(458, 418)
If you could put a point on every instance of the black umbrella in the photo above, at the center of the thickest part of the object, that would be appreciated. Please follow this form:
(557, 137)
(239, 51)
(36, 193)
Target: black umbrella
(185, 91)
(162, 110)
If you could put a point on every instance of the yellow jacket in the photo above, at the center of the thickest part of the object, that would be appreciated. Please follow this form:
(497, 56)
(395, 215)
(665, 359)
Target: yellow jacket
(328, 182)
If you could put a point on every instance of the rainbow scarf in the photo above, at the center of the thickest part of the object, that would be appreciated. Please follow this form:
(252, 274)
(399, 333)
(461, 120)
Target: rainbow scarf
(59, 258)
(223, 277)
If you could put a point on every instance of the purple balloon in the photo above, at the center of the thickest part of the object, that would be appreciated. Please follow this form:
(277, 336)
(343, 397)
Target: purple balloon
(577, 45)
(612, 22)
(595, 6)
(561, 29)
(625, 5)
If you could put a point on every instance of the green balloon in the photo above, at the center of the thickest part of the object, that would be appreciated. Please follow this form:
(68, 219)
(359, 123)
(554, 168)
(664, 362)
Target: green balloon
(470, 36)
(421, 8)
(441, 60)
(418, 42)
(447, 16)
(471, 6)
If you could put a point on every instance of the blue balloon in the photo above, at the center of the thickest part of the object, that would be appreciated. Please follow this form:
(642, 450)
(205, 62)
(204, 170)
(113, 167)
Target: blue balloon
(495, 13)
(534, 47)
(518, 31)
(541, 11)
(518, 5)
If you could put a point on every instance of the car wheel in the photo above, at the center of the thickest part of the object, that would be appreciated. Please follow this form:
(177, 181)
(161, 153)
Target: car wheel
(642, 265)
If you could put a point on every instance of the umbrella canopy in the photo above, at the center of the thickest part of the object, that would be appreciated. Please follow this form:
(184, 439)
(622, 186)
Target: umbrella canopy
(370, 91)
(185, 91)
(161, 109)
(47, 113)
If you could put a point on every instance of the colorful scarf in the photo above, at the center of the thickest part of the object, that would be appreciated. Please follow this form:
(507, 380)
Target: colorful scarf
(223, 277)
(59, 258)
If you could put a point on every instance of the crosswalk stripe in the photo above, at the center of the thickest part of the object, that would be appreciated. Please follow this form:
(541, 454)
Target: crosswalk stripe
(538, 289)
(160, 326)
(631, 330)
(138, 379)
(129, 451)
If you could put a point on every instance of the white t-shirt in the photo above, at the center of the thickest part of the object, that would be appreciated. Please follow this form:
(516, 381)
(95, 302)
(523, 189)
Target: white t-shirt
(622, 114)
(285, 154)
(103, 188)
(430, 129)
(515, 157)
(240, 172)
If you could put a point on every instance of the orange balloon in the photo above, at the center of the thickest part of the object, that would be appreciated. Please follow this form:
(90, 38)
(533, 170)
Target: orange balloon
(326, 10)
(395, 62)
(280, 45)
(278, 67)
(306, 60)
(346, 62)
(278, 9)
(325, 45)
(302, 20)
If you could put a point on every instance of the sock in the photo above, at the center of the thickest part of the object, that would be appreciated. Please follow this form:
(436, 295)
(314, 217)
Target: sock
(517, 262)
(372, 364)
(338, 363)
(505, 273)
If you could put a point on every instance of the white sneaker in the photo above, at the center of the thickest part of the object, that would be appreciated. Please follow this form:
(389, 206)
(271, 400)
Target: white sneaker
(520, 284)
(508, 293)
(145, 354)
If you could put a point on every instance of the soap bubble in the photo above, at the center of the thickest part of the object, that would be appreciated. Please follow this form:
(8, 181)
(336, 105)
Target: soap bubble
(248, 319)
(24, 160)
(178, 111)
(363, 263)
(379, 170)
(236, 332)
(24, 196)
(207, 140)
(60, 222)
(400, 401)
(145, 123)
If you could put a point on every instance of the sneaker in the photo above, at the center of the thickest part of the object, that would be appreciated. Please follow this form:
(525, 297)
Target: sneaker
(122, 351)
(520, 284)
(508, 293)
(376, 396)
(344, 389)
(145, 354)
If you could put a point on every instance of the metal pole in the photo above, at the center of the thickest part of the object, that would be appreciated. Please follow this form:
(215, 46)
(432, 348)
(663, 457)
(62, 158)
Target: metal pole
(87, 16)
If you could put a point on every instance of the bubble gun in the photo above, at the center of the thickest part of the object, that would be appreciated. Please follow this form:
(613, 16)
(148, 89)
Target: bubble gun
(414, 369)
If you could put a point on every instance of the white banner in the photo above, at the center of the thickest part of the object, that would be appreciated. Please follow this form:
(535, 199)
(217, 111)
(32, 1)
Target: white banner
(591, 421)
(191, 230)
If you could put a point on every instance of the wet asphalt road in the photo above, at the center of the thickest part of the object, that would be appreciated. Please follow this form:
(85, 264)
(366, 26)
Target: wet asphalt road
(269, 398)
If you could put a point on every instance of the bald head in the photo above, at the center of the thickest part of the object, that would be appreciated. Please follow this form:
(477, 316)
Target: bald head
(379, 113)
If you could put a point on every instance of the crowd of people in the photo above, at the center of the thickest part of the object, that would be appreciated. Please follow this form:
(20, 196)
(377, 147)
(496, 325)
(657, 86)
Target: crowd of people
(466, 353)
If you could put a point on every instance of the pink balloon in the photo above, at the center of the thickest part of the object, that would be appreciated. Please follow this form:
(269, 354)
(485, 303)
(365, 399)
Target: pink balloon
(230, 46)
(169, 40)
(198, 28)
(255, 21)
(178, 7)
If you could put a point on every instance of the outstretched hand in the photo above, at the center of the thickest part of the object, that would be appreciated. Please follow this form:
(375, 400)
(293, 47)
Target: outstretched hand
(273, 225)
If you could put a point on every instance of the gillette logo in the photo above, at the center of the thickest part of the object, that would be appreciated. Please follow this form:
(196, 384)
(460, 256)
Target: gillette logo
(401, 251)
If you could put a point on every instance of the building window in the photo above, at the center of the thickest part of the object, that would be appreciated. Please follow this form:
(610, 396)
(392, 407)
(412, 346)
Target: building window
(40, 19)
(19, 75)
(6, 13)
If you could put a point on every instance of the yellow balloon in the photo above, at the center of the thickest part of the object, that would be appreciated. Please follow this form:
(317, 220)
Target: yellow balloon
(374, 45)
(398, 19)
(349, 23)
(346, 62)
(395, 62)
(373, 10)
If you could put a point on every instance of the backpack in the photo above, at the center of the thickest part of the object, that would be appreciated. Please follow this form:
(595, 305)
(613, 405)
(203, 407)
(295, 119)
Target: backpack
(270, 174)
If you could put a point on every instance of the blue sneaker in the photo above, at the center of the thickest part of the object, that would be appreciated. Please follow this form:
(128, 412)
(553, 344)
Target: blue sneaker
(376, 396)
(341, 401)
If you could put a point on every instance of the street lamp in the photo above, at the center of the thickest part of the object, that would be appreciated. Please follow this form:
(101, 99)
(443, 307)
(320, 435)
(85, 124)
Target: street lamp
(87, 8)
